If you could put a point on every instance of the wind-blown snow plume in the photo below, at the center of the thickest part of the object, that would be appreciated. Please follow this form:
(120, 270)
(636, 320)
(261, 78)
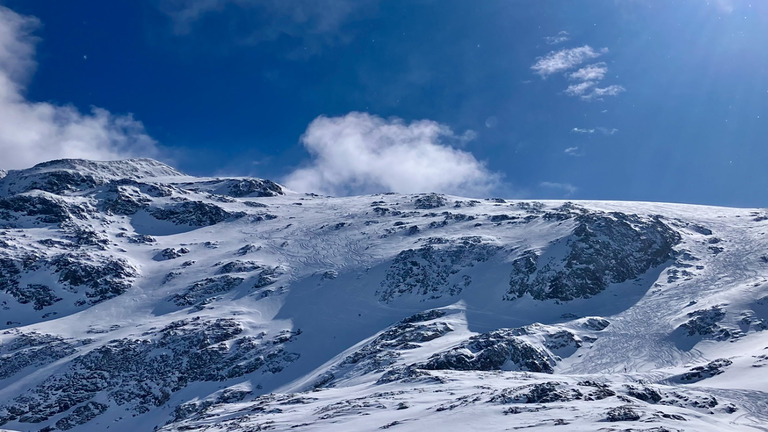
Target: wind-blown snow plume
(363, 153)
(31, 132)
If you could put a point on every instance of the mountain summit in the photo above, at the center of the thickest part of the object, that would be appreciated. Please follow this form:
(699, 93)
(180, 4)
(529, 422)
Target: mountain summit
(134, 297)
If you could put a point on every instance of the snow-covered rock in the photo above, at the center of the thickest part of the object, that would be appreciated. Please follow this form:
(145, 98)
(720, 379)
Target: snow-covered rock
(134, 297)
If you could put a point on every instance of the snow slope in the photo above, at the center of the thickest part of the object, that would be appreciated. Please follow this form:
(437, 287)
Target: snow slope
(134, 297)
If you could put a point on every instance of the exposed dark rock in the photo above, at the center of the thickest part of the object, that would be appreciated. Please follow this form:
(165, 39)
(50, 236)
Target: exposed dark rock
(125, 200)
(249, 248)
(503, 217)
(599, 391)
(81, 415)
(268, 276)
(545, 392)
(194, 213)
(239, 267)
(709, 370)
(32, 350)
(424, 316)
(500, 349)
(85, 236)
(644, 393)
(253, 188)
(385, 349)
(43, 208)
(703, 322)
(602, 249)
(171, 253)
(595, 323)
(38, 294)
(434, 270)
(407, 374)
(622, 413)
(430, 201)
(59, 182)
(205, 289)
(140, 374)
(105, 277)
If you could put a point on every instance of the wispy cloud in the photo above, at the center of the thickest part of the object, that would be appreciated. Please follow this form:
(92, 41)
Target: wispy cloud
(601, 92)
(566, 189)
(588, 77)
(588, 90)
(32, 132)
(580, 89)
(362, 153)
(593, 72)
(602, 130)
(607, 131)
(572, 151)
(559, 38)
(313, 23)
(565, 59)
(725, 6)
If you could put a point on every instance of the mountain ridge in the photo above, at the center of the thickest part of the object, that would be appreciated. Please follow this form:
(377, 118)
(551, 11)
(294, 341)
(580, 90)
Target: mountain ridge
(181, 303)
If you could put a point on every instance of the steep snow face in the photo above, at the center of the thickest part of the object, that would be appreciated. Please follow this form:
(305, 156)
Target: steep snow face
(134, 297)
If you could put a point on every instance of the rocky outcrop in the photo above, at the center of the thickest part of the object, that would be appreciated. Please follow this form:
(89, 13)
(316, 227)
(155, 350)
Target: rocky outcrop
(202, 291)
(95, 277)
(704, 322)
(430, 201)
(385, 349)
(194, 213)
(698, 373)
(603, 249)
(32, 350)
(139, 374)
(498, 350)
(252, 188)
(435, 270)
(102, 277)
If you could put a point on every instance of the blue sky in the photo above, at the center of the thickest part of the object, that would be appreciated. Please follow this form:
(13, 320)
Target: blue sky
(653, 100)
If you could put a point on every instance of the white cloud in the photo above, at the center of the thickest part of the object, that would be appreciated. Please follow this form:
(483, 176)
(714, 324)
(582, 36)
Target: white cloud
(607, 131)
(563, 60)
(559, 38)
(572, 151)
(602, 130)
(588, 77)
(593, 72)
(600, 92)
(362, 153)
(566, 189)
(579, 89)
(32, 132)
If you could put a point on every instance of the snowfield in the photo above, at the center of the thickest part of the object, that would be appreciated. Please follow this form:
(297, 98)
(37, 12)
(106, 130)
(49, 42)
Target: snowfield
(135, 298)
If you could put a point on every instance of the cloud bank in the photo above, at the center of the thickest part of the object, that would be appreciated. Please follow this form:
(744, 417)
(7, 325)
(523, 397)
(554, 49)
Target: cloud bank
(361, 153)
(32, 132)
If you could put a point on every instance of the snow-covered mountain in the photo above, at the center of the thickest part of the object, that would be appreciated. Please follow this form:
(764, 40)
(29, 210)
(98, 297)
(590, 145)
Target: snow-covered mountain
(136, 298)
